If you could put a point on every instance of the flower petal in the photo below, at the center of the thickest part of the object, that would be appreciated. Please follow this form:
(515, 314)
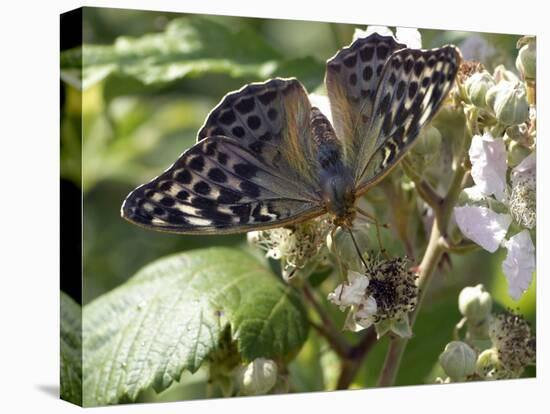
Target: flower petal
(488, 158)
(410, 36)
(367, 309)
(482, 225)
(526, 169)
(381, 30)
(519, 264)
(352, 293)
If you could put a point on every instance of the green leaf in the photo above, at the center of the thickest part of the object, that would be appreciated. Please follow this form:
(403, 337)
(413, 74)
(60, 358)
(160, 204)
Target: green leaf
(71, 350)
(307, 70)
(169, 316)
(188, 47)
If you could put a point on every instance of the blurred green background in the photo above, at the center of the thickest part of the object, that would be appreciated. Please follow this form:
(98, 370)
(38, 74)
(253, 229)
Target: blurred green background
(150, 79)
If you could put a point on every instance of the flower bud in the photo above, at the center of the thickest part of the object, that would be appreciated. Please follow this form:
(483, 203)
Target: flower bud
(258, 377)
(509, 102)
(475, 303)
(487, 365)
(458, 360)
(428, 141)
(341, 244)
(501, 73)
(526, 62)
(477, 86)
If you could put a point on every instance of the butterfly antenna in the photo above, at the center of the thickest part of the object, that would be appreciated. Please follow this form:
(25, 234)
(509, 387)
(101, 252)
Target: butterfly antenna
(357, 248)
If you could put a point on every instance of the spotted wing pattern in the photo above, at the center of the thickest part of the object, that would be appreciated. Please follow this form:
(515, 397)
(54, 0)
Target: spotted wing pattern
(250, 169)
(411, 89)
(352, 77)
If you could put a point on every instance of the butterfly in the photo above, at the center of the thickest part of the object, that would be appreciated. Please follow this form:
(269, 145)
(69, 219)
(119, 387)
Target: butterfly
(266, 158)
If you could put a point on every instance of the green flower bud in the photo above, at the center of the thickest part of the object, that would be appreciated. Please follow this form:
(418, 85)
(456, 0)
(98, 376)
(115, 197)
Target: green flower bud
(501, 73)
(487, 364)
(526, 62)
(428, 142)
(477, 86)
(341, 244)
(258, 377)
(475, 303)
(509, 102)
(458, 360)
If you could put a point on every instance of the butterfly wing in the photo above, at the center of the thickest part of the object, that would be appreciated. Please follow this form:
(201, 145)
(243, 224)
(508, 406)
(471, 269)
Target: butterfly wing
(252, 168)
(381, 93)
(412, 87)
(352, 77)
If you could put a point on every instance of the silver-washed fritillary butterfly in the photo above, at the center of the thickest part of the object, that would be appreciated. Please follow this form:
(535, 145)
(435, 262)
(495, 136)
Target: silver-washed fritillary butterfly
(266, 158)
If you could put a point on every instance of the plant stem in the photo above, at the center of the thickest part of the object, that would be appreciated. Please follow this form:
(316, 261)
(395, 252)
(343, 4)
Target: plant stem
(353, 361)
(436, 247)
(397, 346)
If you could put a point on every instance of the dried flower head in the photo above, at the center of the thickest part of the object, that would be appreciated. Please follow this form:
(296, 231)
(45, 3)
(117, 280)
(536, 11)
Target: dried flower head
(523, 198)
(383, 294)
(393, 286)
(512, 339)
(295, 246)
(468, 68)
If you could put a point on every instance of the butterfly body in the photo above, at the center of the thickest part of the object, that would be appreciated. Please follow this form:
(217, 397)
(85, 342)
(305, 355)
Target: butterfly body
(266, 158)
(336, 180)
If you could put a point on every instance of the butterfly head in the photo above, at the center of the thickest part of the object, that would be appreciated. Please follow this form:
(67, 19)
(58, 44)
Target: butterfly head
(338, 193)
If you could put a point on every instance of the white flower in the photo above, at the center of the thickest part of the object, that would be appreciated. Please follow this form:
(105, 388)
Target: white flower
(482, 225)
(519, 264)
(350, 294)
(353, 295)
(296, 248)
(409, 36)
(321, 102)
(381, 30)
(488, 158)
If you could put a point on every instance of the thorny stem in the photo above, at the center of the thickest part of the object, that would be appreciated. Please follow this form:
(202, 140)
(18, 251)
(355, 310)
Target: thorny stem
(352, 362)
(437, 245)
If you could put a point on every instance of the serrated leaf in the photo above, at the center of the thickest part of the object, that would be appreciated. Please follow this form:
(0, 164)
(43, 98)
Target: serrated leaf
(168, 318)
(71, 350)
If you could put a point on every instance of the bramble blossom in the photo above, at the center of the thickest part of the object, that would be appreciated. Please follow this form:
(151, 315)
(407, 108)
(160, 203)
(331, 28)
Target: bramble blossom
(409, 36)
(354, 295)
(488, 228)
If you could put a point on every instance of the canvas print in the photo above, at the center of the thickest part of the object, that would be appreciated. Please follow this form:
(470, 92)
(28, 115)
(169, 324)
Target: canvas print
(255, 206)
